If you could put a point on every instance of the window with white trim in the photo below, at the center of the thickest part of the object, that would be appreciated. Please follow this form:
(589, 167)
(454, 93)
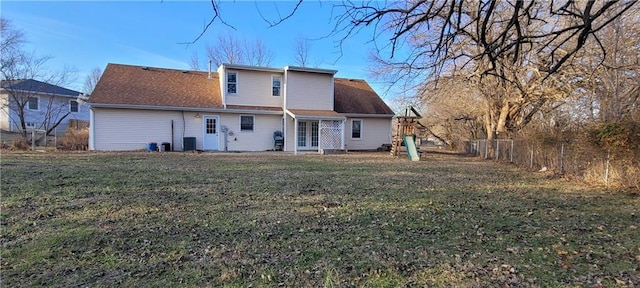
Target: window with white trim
(232, 82)
(356, 129)
(246, 123)
(33, 103)
(73, 106)
(276, 84)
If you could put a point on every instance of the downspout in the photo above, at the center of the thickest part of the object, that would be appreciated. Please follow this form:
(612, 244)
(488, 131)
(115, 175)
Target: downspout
(222, 79)
(284, 110)
(295, 131)
(92, 131)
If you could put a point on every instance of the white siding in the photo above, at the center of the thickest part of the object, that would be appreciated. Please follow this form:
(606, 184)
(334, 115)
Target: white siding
(260, 139)
(309, 91)
(375, 132)
(4, 112)
(129, 129)
(254, 89)
(290, 135)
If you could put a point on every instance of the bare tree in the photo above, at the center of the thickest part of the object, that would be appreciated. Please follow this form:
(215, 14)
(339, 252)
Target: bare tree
(230, 50)
(227, 49)
(258, 54)
(91, 80)
(195, 62)
(500, 29)
(301, 52)
(19, 66)
(611, 80)
(451, 110)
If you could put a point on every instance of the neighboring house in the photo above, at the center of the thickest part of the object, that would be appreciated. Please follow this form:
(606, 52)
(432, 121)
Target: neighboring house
(236, 108)
(44, 105)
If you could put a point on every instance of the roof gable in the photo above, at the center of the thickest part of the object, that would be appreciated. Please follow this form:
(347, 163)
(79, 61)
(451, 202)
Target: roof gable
(35, 86)
(149, 86)
(355, 96)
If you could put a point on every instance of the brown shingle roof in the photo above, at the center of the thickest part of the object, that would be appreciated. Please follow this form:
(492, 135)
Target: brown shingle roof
(306, 113)
(355, 96)
(148, 86)
(262, 108)
(136, 85)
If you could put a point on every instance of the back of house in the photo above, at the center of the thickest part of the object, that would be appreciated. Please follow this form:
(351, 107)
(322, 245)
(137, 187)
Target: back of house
(235, 108)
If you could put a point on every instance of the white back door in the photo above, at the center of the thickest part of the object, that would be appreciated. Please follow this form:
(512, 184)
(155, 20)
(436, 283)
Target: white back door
(210, 128)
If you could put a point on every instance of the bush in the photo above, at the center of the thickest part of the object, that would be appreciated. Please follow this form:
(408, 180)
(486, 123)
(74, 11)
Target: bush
(75, 139)
(20, 144)
(619, 137)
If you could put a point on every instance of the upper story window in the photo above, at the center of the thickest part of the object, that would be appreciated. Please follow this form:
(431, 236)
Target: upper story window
(277, 82)
(232, 82)
(73, 106)
(33, 103)
(246, 123)
(356, 129)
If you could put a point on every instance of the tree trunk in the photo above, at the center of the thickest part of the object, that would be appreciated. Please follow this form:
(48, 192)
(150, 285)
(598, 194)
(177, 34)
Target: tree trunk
(502, 120)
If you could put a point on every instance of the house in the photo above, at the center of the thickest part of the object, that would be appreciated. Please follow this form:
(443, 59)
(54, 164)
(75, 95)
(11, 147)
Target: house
(43, 105)
(236, 108)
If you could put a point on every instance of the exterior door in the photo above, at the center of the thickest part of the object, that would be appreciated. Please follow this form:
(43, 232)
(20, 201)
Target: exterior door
(210, 127)
(308, 133)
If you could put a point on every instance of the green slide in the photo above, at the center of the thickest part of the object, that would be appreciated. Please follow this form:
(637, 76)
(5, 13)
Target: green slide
(412, 152)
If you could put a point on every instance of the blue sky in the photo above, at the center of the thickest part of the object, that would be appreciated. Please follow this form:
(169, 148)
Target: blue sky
(83, 35)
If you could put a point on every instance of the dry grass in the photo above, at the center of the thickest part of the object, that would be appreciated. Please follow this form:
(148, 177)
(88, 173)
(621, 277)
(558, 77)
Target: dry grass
(262, 220)
(75, 139)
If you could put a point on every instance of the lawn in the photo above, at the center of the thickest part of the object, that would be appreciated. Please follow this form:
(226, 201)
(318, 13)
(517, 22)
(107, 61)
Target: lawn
(264, 220)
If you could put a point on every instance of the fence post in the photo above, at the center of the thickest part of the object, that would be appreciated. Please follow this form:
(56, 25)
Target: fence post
(562, 158)
(531, 160)
(497, 149)
(486, 149)
(511, 152)
(33, 140)
(606, 170)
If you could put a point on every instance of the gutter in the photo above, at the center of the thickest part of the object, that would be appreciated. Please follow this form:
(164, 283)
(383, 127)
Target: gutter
(189, 109)
(40, 93)
(305, 117)
(356, 115)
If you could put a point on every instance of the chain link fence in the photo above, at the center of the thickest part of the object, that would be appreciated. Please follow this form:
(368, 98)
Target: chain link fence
(571, 158)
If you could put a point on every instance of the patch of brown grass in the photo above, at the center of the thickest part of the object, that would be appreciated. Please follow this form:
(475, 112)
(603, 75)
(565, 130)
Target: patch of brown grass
(75, 139)
(274, 219)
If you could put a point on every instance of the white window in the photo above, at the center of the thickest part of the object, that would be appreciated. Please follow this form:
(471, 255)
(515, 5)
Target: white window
(73, 106)
(33, 103)
(277, 82)
(232, 82)
(356, 129)
(246, 123)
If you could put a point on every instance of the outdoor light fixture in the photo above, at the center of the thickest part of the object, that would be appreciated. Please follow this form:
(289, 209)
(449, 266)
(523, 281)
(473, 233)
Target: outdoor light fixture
(197, 115)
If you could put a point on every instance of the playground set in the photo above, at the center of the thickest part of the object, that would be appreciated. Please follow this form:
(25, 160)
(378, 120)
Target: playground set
(405, 132)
